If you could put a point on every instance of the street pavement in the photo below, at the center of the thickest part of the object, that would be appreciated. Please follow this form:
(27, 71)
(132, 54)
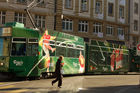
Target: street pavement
(111, 84)
(77, 84)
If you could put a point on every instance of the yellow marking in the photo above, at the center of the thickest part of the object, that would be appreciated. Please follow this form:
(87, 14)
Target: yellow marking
(1, 83)
(5, 87)
(18, 91)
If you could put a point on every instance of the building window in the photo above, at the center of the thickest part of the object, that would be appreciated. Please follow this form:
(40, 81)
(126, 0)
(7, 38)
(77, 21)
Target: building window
(109, 30)
(110, 9)
(68, 4)
(84, 5)
(40, 21)
(67, 25)
(2, 17)
(20, 17)
(135, 41)
(121, 12)
(136, 8)
(135, 25)
(83, 26)
(120, 31)
(22, 1)
(98, 8)
(97, 27)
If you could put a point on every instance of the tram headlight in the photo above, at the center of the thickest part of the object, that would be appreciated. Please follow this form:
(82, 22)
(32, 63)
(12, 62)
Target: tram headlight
(1, 64)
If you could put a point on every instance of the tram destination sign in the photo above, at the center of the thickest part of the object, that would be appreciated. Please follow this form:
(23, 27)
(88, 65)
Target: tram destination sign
(5, 31)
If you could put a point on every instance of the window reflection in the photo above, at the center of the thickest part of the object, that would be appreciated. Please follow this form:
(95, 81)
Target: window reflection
(18, 49)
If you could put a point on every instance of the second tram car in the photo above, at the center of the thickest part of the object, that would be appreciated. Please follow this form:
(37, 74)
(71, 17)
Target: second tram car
(104, 57)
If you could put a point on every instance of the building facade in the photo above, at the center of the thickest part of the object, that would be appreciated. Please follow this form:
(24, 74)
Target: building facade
(90, 19)
(134, 21)
(95, 19)
(13, 11)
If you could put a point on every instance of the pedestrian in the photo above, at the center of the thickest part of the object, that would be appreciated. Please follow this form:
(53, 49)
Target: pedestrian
(58, 72)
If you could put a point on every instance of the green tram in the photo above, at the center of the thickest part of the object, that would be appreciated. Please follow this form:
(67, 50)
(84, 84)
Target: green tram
(18, 50)
(27, 53)
(106, 58)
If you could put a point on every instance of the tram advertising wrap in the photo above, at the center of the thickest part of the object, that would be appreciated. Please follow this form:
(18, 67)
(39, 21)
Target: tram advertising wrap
(53, 44)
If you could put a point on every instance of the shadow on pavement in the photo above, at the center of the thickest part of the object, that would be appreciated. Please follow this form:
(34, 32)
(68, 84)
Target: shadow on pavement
(112, 89)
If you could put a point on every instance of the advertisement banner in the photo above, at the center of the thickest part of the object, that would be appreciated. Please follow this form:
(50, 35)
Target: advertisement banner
(5, 31)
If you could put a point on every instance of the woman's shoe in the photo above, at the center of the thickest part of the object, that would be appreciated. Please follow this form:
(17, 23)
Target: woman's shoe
(59, 86)
(52, 83)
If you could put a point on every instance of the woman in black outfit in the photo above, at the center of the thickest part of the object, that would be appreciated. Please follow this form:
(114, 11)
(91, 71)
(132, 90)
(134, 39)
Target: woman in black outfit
(58, 73)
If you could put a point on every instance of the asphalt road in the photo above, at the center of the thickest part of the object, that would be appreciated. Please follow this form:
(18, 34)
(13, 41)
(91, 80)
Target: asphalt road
(77, 84)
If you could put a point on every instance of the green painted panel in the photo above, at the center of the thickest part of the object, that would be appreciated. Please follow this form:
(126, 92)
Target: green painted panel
(107, 57)
(21, 66)
(24, 32)
(14, 24)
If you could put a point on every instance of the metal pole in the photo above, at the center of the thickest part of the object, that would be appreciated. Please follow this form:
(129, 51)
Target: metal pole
(31, 19)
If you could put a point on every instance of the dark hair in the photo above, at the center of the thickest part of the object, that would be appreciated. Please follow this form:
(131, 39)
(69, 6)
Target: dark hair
(60, 57)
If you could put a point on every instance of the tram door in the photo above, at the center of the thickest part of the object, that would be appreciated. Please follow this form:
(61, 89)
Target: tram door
(5, 34)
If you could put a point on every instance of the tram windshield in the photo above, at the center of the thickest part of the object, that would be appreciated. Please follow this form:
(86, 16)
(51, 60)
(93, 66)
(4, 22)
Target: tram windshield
(21, 48)
(4, 46)
(18, 47)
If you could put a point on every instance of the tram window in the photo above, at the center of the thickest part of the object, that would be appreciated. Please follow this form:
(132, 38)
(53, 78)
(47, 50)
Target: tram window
(32, 49)
(77, 53)
(125, 59)
(57, 43)
(33, 40)
(109, 58)
(19, 39)
(63, 45)
(70, 46)
(60, 51)
(79, 47)
(18, 49)
(94, 56)
(71, 52)
(52, 42)
(83, 53)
